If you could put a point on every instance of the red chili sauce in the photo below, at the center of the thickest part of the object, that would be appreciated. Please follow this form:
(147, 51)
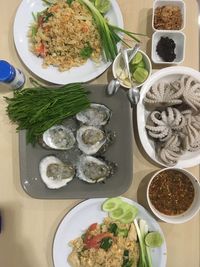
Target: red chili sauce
(171, 192)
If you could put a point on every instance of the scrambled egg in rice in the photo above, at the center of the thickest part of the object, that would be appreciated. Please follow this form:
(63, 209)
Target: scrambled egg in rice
(110, 244)
(65, 35)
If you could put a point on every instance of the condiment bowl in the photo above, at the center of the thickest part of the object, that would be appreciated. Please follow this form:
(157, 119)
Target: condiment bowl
(118, 66)
(164, 3)
(166, 186)
(179, 40)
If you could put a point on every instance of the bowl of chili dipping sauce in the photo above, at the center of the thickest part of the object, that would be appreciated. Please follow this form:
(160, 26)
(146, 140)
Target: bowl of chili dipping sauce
(173, 195)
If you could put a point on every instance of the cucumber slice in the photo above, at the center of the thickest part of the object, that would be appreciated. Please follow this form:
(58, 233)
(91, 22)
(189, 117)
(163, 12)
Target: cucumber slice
(102, 5)
(130, 215)
(153, 240)
(111, 204)
(118, 213)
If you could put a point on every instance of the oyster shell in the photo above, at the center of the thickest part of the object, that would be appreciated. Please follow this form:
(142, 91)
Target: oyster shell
(93, 170)
(55, 173)
(95, 115)
(90, 139)
(59, 137)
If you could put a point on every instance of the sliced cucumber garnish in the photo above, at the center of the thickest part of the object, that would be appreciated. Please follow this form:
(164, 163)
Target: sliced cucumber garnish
(111, 204)
(130, 215)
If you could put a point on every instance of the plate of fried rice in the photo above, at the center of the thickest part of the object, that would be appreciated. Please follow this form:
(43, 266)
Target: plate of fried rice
(60, 43)
(71, 248)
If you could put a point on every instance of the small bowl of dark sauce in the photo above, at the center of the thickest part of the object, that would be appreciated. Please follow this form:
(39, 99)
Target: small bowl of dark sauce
(173, 195)
(168, 47)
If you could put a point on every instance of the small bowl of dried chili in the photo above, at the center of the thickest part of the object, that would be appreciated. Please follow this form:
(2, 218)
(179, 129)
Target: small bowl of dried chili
(173, 195)
(168, 15)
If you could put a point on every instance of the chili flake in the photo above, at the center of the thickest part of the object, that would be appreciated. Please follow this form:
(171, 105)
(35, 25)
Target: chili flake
(171, 192)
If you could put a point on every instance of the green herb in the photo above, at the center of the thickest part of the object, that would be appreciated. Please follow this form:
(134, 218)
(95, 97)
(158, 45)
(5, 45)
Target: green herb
(37, 109)
(122, 232)
(33, 31)
(106, 243)
(69, 2)
(108, 33)
(126, 261)
(47, 16)
(86, 51)
(113, 228)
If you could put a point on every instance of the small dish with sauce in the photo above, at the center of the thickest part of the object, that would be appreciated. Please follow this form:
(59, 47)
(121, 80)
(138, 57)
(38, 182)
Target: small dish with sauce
(173, 195)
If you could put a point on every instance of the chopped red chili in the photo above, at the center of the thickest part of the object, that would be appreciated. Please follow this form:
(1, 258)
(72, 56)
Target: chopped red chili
(171, 192)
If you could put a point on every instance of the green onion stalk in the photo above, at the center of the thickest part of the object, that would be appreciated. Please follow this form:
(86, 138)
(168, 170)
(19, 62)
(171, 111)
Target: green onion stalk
(109, 33)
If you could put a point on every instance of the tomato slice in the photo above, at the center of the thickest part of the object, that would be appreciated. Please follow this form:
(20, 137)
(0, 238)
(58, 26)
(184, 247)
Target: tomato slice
(94, 241)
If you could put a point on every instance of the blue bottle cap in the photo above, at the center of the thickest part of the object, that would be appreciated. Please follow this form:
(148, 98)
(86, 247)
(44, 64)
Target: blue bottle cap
(7, 72)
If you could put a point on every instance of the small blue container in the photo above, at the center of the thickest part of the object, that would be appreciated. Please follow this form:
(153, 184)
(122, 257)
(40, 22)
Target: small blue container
(11, 76)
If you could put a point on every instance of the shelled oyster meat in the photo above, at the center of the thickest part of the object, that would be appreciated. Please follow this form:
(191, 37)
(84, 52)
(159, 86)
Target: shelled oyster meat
(93, 170)
(90, 139)
(59, 137)
(55, 173)
(95, 115)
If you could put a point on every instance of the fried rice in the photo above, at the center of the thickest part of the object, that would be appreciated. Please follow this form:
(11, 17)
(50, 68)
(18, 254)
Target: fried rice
(88, 251)
(65, 36)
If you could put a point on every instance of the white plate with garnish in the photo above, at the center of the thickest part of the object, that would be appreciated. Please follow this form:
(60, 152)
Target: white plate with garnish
(77, 221)
(83, 73)
(167, 75)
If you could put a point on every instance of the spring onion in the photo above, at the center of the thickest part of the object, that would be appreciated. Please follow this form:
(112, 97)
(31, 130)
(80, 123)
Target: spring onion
(108, 33)
(37, 109)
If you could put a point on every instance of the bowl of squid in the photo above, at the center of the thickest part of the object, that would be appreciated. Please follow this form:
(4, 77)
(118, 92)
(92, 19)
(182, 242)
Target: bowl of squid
(168, 117)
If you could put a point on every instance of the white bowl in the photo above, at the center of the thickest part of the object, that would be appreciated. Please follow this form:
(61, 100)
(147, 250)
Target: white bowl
(179, 3)
(179, 39)
(118, 64)
(188, 214)
(189, 159)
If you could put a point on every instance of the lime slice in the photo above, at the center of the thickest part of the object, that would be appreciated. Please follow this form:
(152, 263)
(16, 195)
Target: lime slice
(137, 58)
(140, 74)
(153, 239)
(111, 204)
(102, 5)
(130, 215)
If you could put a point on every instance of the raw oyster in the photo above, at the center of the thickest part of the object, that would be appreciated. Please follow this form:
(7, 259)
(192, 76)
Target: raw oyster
(55, 173)
(59, 137)
(93, 170)
(95, 115)
(90, 139)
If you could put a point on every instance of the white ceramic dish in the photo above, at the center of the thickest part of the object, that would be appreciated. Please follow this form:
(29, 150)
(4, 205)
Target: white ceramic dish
(117, 65)
(189, 159)
(177, 37)
(78, 220)
(84, 73)
(190, 213)
(179, 3)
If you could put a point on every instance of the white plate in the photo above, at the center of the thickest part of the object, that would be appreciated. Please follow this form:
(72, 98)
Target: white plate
(169, 74)
(84, 73)
(82, 216)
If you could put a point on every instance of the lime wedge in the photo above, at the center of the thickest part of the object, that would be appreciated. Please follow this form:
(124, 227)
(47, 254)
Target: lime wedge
(130, 215)
(153, 239)
(111, 204)
(102, 5)
(140, 75)
(137, 58)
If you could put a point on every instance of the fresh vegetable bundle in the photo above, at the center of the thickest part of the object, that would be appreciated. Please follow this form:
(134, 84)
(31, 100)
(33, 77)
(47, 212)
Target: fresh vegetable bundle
(37, 109)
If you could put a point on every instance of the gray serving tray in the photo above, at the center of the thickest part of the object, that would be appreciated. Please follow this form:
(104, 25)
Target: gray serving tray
(119, 152)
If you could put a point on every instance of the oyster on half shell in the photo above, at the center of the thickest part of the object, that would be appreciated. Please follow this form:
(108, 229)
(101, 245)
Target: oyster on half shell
(55, 173)
(93, 170)
(59, 137)
(95, 115)
(90, 139)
